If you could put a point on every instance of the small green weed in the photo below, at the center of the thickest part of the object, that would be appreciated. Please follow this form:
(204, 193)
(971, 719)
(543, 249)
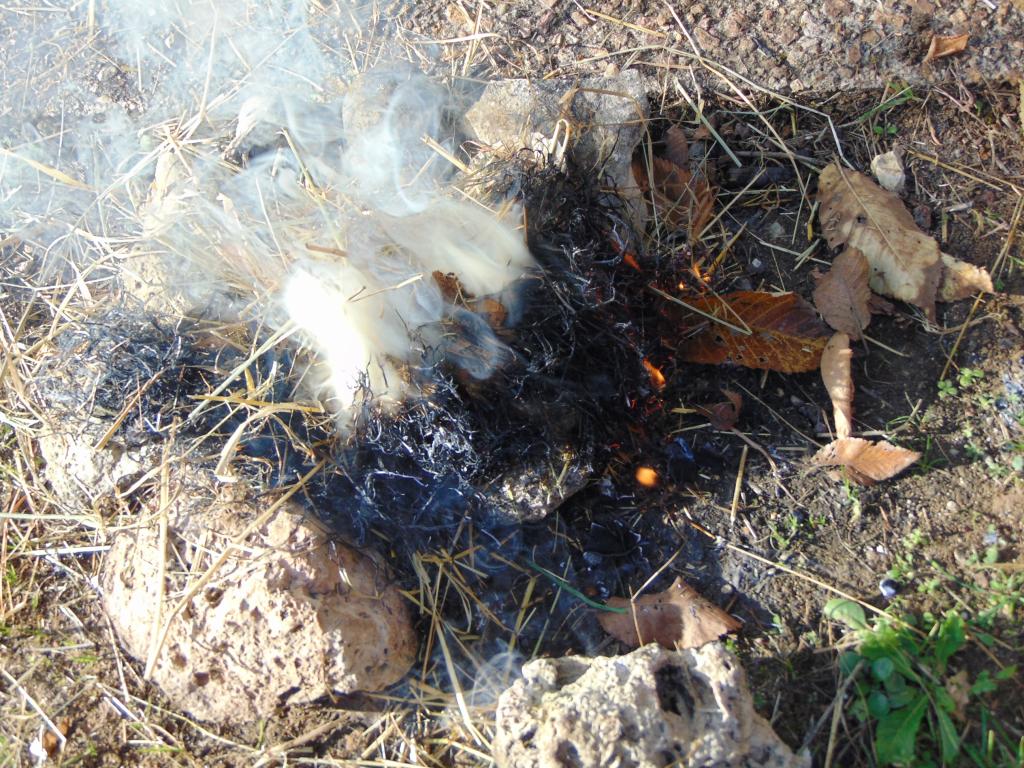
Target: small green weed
(903, 688)
(968, 377)
(947, 388)
(929, 460)
(901, 97)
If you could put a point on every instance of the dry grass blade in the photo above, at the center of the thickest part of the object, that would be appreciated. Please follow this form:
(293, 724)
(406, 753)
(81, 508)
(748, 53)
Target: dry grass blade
(229, 550)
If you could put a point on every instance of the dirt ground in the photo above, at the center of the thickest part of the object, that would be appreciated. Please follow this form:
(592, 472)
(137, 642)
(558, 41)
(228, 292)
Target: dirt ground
(770, 541)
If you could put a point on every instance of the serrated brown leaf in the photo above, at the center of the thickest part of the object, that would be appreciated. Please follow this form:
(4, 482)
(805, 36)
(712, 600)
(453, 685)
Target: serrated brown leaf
(945, 45)
(843, 296)
(785, 332)
(961, 280)
(865, 462)
(835, 372)
(905, 262)
(676, 618)
(681, 199)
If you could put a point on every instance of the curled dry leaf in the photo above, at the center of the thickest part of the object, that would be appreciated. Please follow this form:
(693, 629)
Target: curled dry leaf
(865, 462)
(843, 296)
(676, 618)
(961, 279)
(785, 333)
(905, 262)
(888, 170)
(945, 45)
(835, 372)
(723, 415)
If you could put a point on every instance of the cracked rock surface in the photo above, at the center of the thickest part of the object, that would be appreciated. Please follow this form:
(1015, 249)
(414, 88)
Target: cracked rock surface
(288, 618)
(648, 709)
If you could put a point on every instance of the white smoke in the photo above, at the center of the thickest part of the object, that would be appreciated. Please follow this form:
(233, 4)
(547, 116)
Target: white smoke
(339, 217)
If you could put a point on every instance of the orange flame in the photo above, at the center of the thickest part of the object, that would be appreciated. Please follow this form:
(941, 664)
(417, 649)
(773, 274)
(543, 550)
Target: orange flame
(656, 376)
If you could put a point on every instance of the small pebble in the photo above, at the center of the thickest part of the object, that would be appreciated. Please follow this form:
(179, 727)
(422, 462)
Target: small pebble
(889, 588)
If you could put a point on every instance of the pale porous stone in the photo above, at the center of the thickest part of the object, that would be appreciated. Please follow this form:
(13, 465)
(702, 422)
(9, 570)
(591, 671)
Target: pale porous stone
(648, 709)
(290, 618)
(604, 119)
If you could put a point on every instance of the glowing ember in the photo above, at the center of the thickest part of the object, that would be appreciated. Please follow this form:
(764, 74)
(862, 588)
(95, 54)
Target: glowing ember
(647, 477)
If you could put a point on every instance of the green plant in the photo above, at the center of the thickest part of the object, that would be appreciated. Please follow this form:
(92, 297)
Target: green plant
(968, 377)
(946, 388)
(853, 497)
(901, 97)
(904, 689)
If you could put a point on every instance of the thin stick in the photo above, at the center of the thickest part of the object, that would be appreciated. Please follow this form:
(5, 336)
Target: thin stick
(783, 567)
(739, 486)
(165, 502)
(960, 336)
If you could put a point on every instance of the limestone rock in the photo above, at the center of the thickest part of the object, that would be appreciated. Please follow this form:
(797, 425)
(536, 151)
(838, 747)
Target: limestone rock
(292, 617)
(604, 119)
(647, 709)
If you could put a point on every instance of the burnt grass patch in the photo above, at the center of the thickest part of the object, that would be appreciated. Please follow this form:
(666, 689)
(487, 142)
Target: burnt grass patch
(576, 412)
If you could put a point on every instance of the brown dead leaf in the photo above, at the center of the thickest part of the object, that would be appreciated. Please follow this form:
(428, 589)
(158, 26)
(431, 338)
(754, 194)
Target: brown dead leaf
(450, 286)
(945, 45)
(905, 263)
(843, 296)
(723, 415)
(865, 462)
(959, 689)
(835, 372)
(785, 333)
(961, 280)
(880, 306)
(676, 618)
(682, 199)
(677, 148)
(490, 309)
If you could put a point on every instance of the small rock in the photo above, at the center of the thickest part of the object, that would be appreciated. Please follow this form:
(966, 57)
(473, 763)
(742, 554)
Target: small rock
(889, 588)
(530, 491)
(647, 709)
(291, 617)
(606, 119)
